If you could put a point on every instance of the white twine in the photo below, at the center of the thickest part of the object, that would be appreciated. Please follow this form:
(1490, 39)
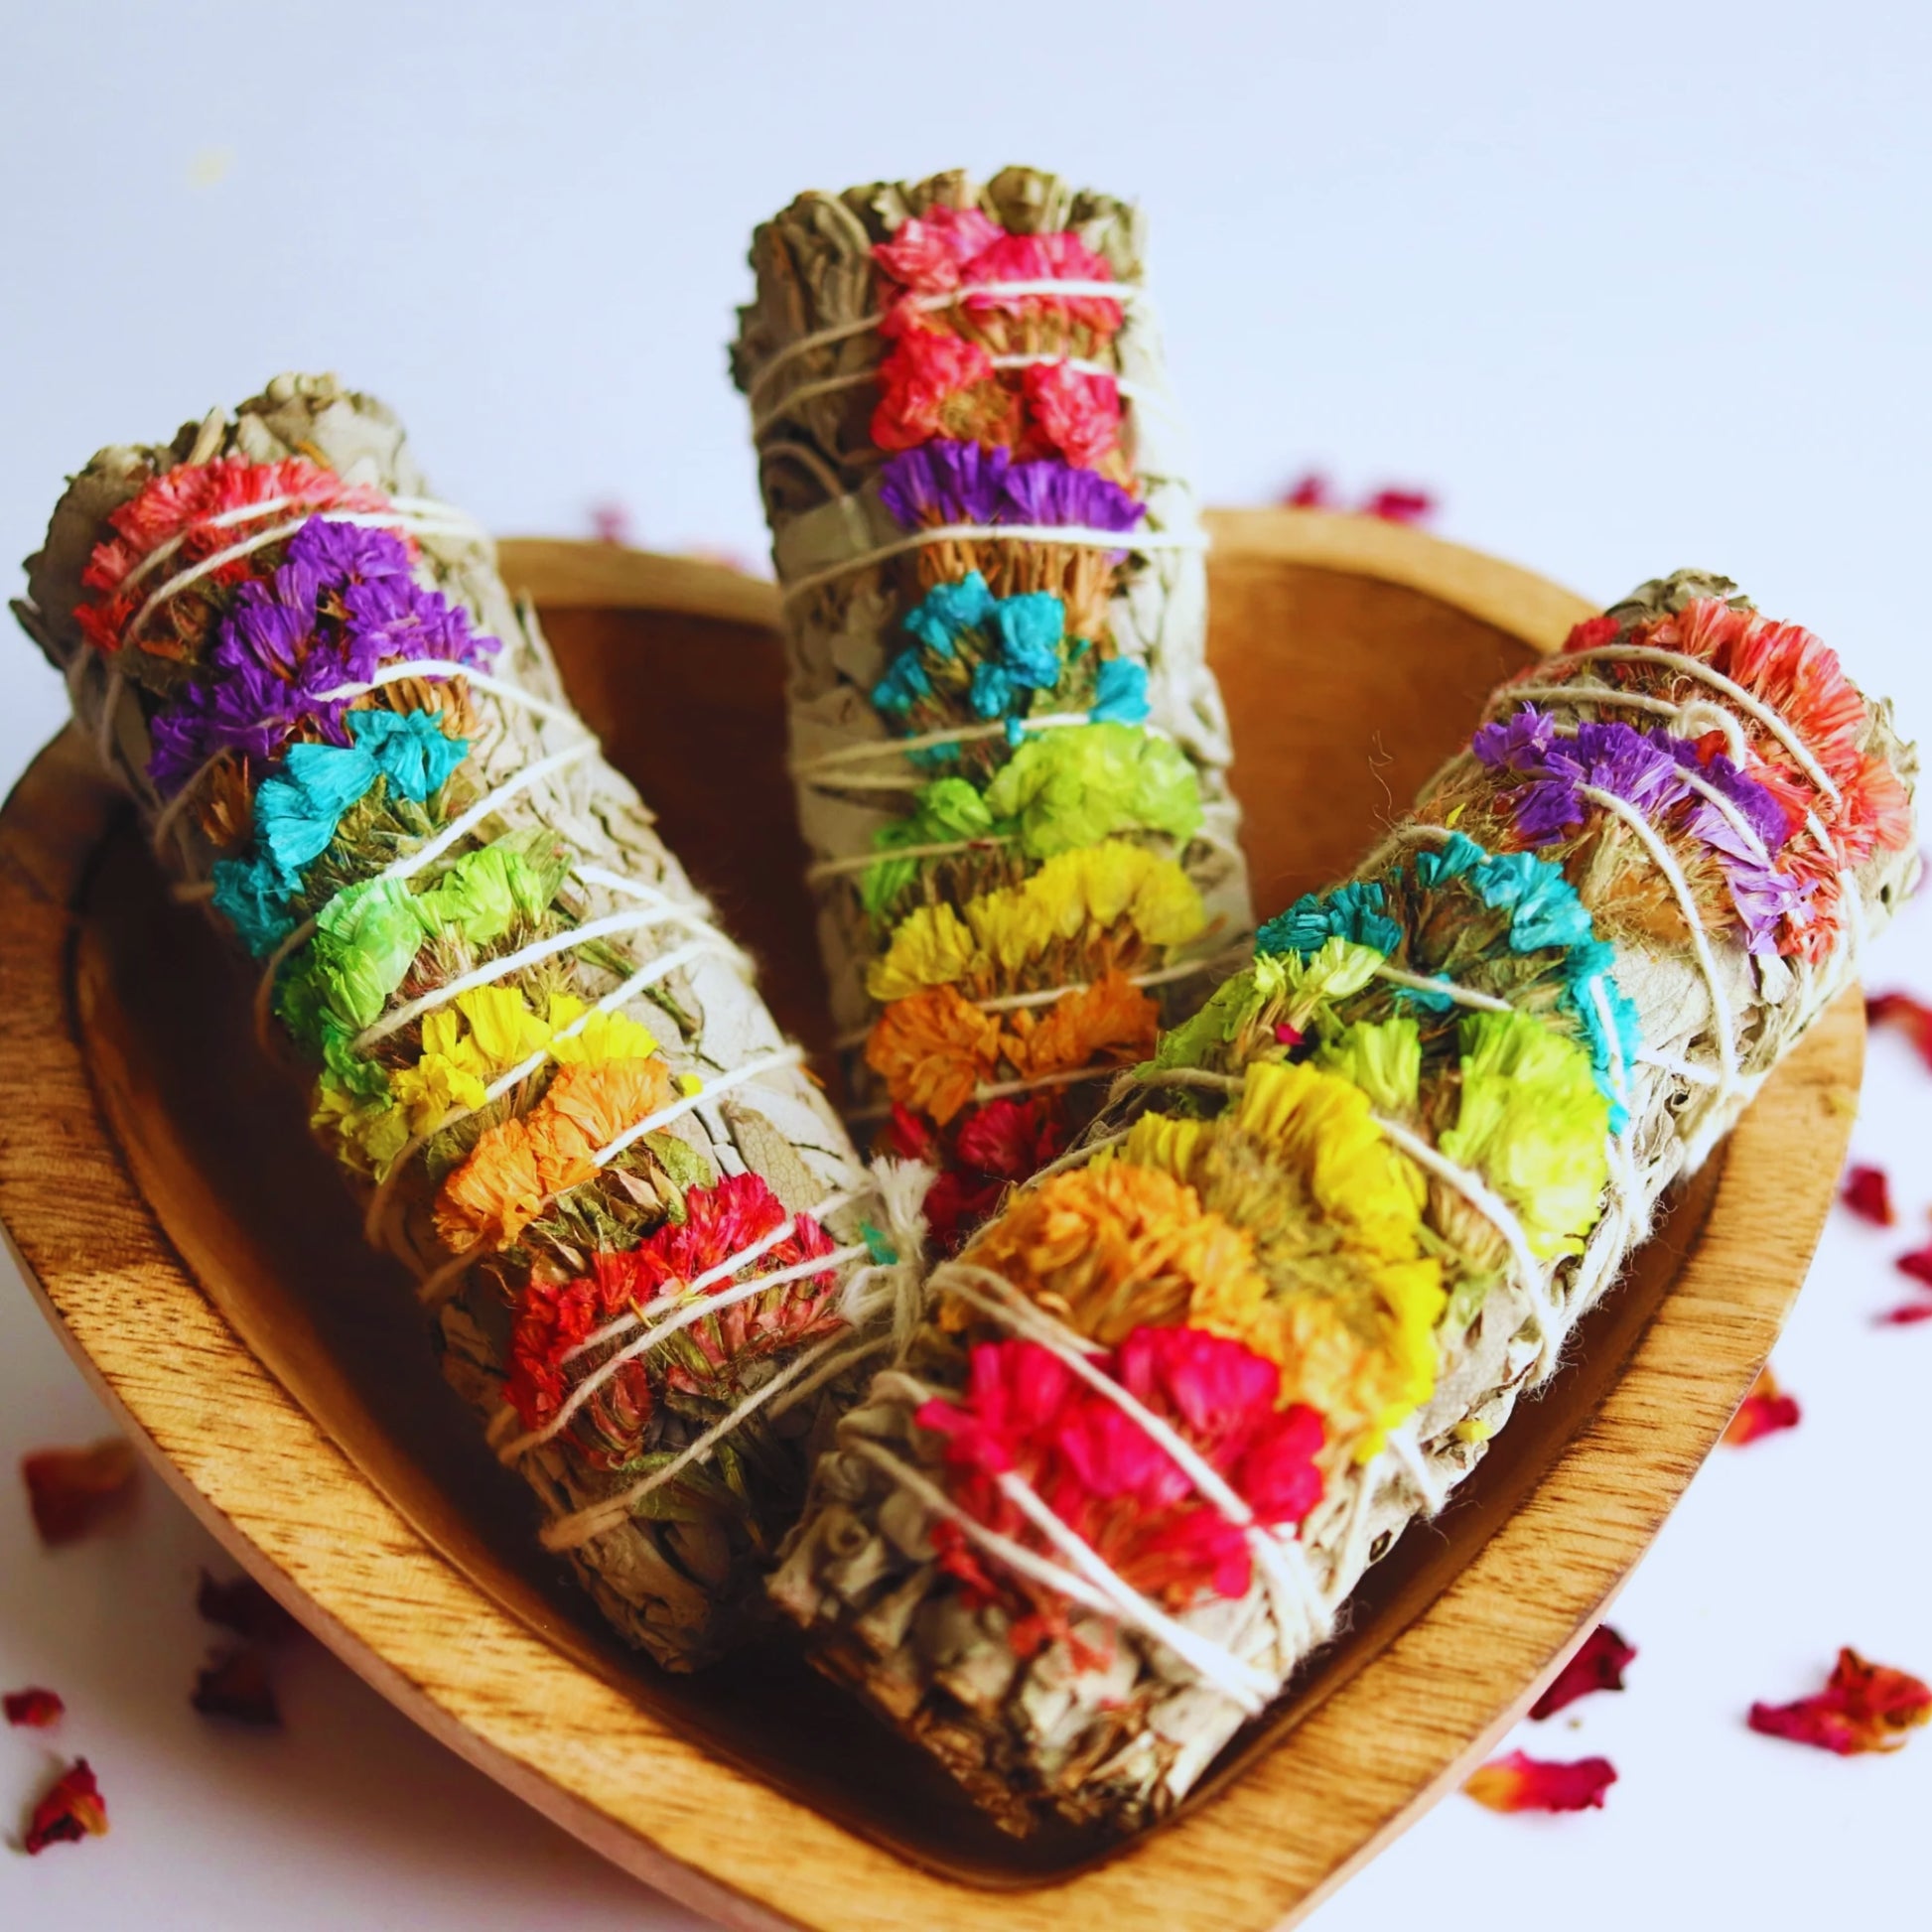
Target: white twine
(1076, 536)
(1141, 395)
(1005, 1089)
(1127, 294)
(812, 770)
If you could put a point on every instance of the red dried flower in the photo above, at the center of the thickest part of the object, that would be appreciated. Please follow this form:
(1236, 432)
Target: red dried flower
(1056, 258)
(1763, 1412)
(1011, 1139)
(1401, 505)
(244, 1608)
(72, 1807)
(1913, 1018)
(1310, 493)
(925, 371)
(1867, 1193)
(1522, 1783)
(36, 1709)
(236, 1685)
(73, 1490)
(1917, 1262)
(719, 1222)
(1597, 1665)
(1862, 1708)
(1024, 1412)
(927, 252)
(1592, 633)
(1076, 412)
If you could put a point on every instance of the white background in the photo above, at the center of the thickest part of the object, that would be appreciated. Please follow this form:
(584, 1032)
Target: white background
(1628, 287)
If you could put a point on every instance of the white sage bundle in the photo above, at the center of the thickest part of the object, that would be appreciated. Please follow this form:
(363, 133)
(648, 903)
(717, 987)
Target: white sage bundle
(1169, 1404)
(561, 1101)
(1010, 752)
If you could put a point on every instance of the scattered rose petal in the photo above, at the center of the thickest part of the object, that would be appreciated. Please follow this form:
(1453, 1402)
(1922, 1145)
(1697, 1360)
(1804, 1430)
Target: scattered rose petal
(1913, 1018)
(1867, 1193)
(1862, 1708)
(1917, 1263)
(1907, 1317)
(1763, 1412)
(1598, 1666)
(236, 1685)
(1519, 1782)
(34, 1707)
(1312, 492)
(72, 1808)
(244, 1608)
(1401, 505)
(609, 521)
(72, 1490)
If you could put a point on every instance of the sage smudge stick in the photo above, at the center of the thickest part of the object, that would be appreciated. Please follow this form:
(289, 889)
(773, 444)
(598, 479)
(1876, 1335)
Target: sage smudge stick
(1172, 1402)
(547, 1073)
(1009, 747)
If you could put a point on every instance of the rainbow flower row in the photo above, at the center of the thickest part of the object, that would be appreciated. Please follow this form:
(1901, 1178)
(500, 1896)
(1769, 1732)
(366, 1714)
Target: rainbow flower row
(493, 1102)
(1037, 880)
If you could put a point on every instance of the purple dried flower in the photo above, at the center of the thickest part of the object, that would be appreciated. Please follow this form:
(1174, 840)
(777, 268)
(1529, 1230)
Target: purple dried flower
(1050, 492)
(944, 483)
(339, 604)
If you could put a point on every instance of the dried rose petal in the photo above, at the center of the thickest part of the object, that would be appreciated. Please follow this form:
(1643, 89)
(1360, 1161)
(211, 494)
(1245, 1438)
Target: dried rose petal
(72, 1807)
(1913, 1018)
(1522, 1783)
(1763, 1412)
(1867, 1193)
(1917, 1262)
(1862, 1708)
(1399, 506)
(1904, 1317)
(72, 1490)
(35, 1707)
(236, 1685)
(244, 1608)
(1598, 1665)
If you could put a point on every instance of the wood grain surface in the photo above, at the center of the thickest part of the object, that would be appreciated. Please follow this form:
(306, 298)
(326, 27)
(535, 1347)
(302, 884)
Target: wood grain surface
(201, 1264)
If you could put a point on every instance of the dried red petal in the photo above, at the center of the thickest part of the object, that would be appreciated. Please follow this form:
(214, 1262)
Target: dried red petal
(1763, 1412)
(34, 1707)
(236, 1685)
(1867, 1193)
(72, 1490)
(1917, 1263)
(1401, 505)
(1864, 1707)
(1598, 1665)
(244, 1608)
(1913, 1018)
(1906, 1317)
(1519, 1782)
(1310, 494)
(72, 1807)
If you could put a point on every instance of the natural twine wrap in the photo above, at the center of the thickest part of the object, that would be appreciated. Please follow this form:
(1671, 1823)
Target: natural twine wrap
(1397, 1159)
(825, 354)
(673, 1453)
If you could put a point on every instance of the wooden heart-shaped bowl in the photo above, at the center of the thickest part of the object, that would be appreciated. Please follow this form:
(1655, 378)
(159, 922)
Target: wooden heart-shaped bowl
(201, 1261)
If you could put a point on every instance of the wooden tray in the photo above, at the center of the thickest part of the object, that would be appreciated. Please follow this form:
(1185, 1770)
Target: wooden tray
(201, 1263)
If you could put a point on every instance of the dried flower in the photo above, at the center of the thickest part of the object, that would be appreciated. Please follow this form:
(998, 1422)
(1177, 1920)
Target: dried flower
(70, 1809)
(1867, 1193)
(71, 1492)
(1518, 1782)
(1763, 1412)
(927, 252)
(1597, 1664)
(933, 1048)
(1025, 1414)
(1862, 1708)
(1110, 1021)
(1917, 1262)
(1076, 411)
(36, 1709)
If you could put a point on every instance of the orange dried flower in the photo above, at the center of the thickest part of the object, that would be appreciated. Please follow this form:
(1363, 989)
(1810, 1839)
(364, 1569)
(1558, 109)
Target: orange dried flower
(72, 1807)
(1763, 1412)
(517, 1167)
(72, 1490)
(1112, 1018)
(1519, 1782)
(1111, 1248)
(1862, 1708)
(932, 1048)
